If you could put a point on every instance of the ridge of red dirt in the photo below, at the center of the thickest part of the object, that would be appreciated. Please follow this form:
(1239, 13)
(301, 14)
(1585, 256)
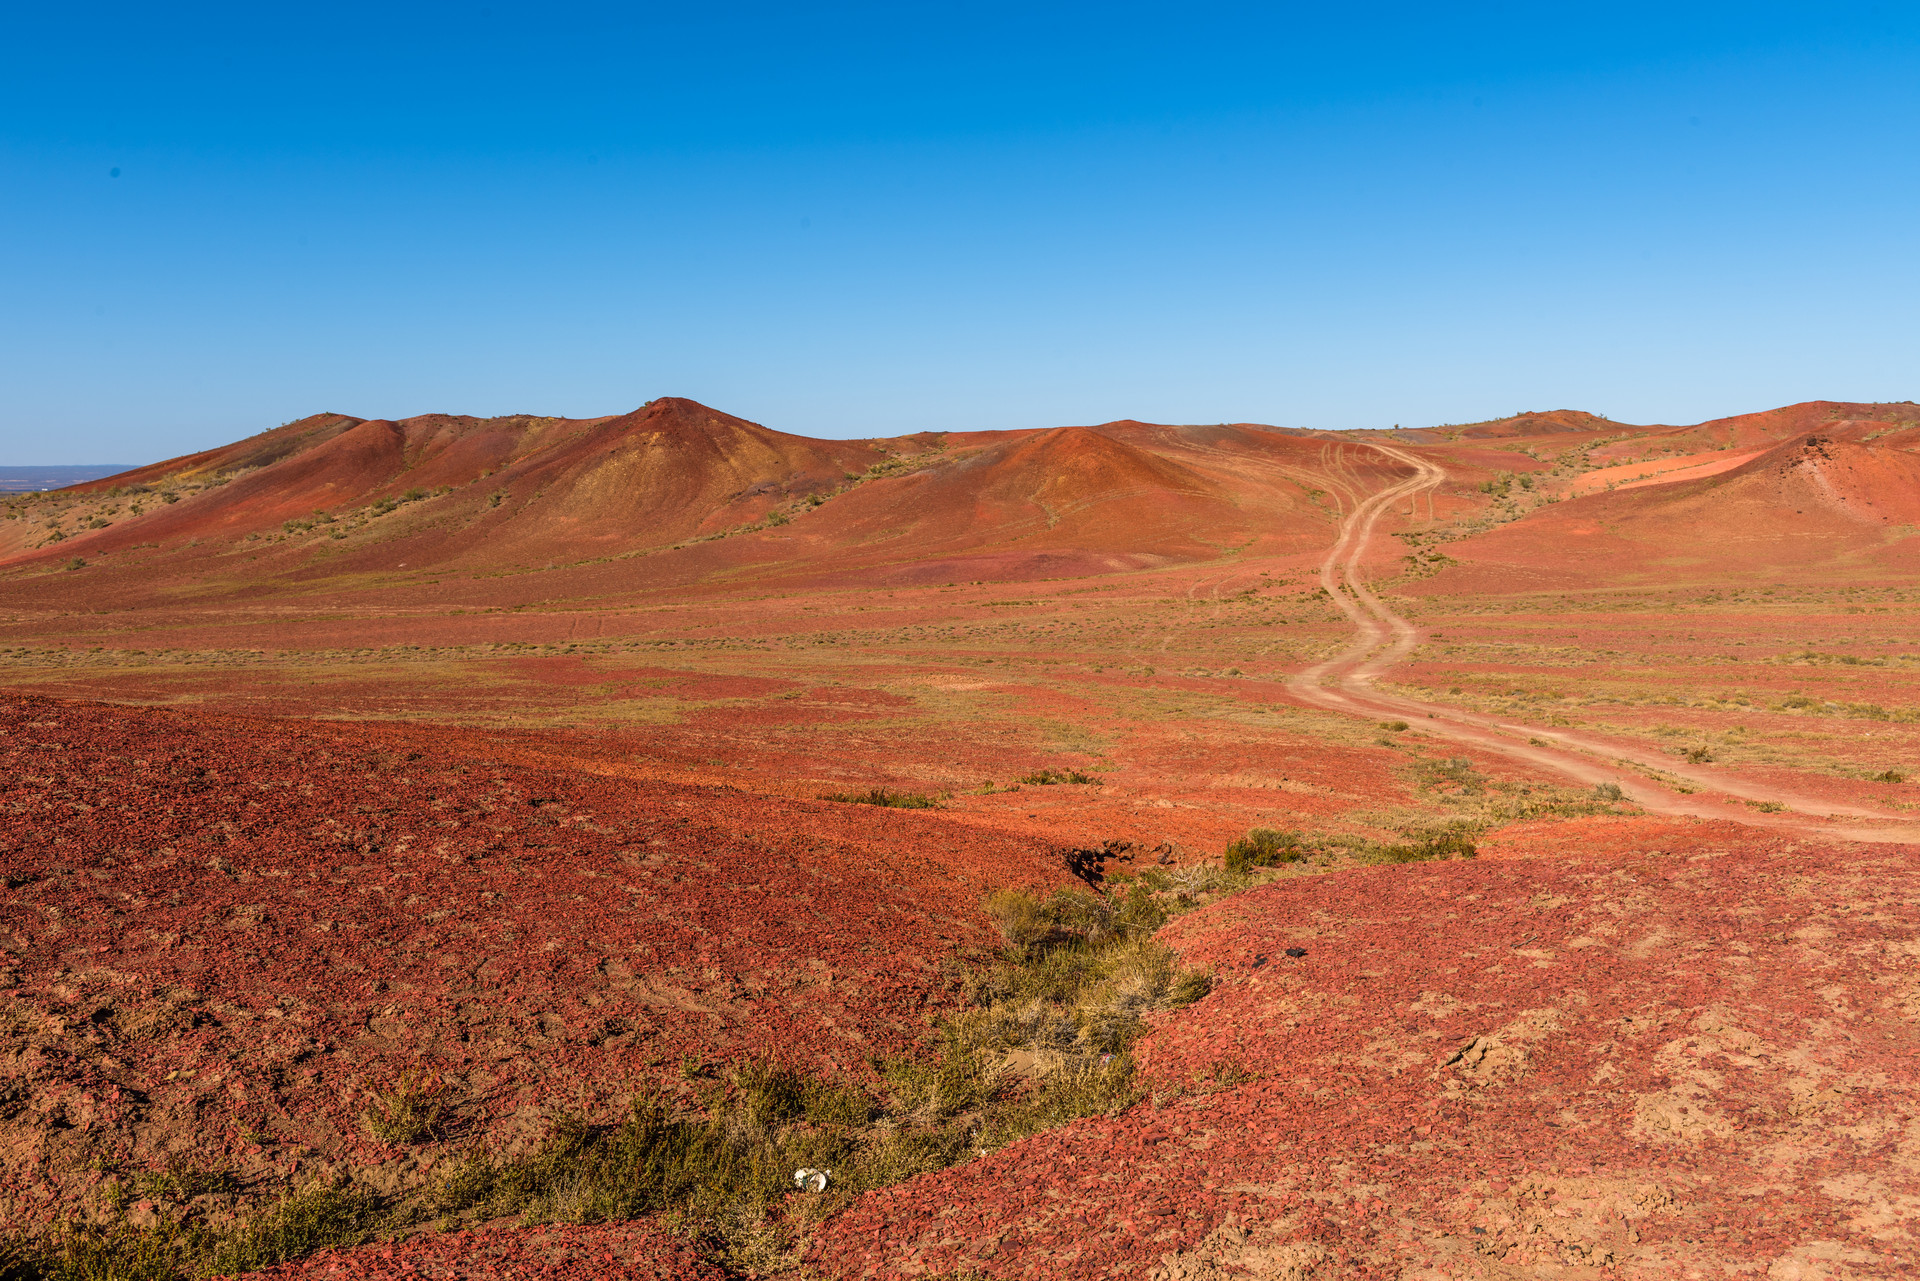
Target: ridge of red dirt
(1807, 505)
(1541, 1068)
(259, 450)
(1552, 422)
(491, 491)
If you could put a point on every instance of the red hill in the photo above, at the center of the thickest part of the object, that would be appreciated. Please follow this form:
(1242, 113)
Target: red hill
(1811, 504)
(440, 488)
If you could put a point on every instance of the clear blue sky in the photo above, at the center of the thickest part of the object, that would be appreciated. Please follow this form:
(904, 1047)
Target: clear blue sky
(864, 219)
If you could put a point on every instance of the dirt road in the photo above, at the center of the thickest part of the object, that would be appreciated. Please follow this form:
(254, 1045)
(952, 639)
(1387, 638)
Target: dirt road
(1383, 639)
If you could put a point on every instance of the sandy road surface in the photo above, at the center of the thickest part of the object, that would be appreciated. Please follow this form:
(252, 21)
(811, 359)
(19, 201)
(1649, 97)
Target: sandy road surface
(1383, 639)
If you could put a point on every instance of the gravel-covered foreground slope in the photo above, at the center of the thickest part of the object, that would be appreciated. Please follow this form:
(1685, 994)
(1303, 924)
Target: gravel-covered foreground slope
(220, 936)
(1648, 1066)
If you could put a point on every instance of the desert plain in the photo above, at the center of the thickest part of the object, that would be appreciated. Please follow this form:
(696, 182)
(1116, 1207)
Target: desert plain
(518, 847)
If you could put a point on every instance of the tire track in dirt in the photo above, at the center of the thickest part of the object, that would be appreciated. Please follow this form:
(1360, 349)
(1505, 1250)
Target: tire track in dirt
(1384, 639)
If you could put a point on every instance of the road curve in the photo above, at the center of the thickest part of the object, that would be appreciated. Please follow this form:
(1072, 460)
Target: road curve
(1383, 639)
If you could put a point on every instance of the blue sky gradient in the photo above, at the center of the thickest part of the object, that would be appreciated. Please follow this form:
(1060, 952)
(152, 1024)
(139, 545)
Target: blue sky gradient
(864, 219)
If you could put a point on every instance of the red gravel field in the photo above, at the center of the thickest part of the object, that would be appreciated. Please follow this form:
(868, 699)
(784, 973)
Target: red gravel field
(1658, 1065)
(659, 846)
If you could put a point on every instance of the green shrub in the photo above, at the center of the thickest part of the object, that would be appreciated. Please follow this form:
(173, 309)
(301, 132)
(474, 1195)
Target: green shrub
(412, 1110)
(1262, 847)
(1440, 843)
(883, 797)
(1049, 777)
(299, 1224)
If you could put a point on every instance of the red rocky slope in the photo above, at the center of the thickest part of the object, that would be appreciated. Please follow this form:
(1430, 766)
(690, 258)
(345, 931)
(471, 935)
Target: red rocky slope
(221, 933)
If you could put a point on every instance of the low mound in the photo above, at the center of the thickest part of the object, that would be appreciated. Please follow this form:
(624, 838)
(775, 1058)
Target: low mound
(1069, 501)
(1810, 505)
(1076, 501)
(1070, 490)
(1546, 423)
(1868, 484)
(1534, 1068)
(1752, 433)
(1552, 422)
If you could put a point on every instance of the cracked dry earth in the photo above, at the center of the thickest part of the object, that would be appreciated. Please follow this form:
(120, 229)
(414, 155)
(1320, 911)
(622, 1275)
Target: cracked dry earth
(1649, 1066)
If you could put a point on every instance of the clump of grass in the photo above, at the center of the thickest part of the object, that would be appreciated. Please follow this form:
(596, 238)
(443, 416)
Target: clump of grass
(727, 1160)
(1042, 1038)
(1608, 792)
(1050, 777)
(885, 797)
(1452, 841)
(1263, 847)
(414, 1109)
(297, 1224)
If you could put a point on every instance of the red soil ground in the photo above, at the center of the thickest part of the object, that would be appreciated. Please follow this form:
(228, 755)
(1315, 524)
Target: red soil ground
(220, 934)
(1647, 1065)
(1683, 1044)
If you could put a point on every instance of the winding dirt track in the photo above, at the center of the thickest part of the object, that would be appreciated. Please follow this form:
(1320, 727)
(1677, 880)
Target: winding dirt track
(1383, 639)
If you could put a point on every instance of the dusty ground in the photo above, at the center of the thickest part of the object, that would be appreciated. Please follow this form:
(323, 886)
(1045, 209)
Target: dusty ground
(223, 936)
(1658, 1064)
(288, 817)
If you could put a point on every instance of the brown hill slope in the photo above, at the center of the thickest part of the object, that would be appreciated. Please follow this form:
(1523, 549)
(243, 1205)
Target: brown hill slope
(1551, 422)
(676, 494)
(1841, 420)
(1812, 504)
(335, 494)
(1071, 501)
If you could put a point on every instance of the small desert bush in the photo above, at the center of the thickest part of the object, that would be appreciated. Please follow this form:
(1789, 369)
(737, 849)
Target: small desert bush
(298, 1224)
(1454, 841)
(729, 1158)
(414, 1109)
(887, 798)
(1263, 847)
(1049, 777)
